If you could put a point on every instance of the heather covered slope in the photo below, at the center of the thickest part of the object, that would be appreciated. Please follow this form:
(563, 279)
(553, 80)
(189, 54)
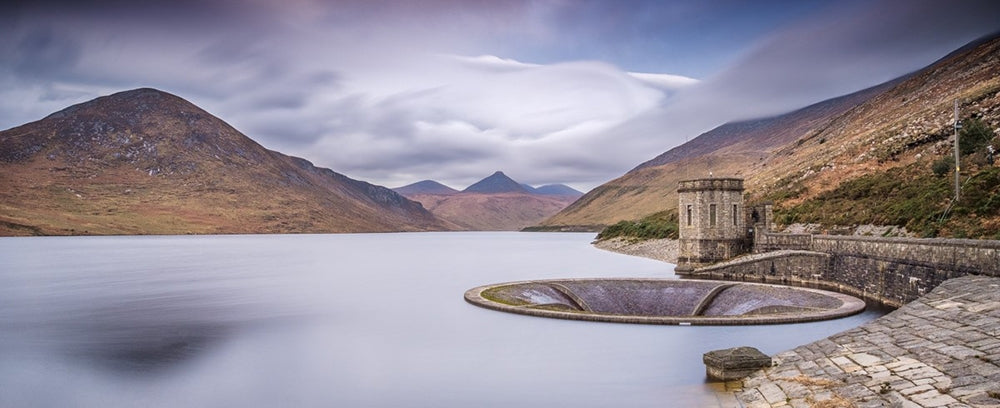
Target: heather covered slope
(148, 162)
(796, 158)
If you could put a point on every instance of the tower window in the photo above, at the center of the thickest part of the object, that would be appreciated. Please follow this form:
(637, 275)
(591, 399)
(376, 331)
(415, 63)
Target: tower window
(689, 214)
(711, 215)
(735, 212)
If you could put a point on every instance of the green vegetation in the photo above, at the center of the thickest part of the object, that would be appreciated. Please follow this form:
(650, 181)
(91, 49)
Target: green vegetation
(662, 224)
(974, 136)
(907, 197)
(917, 197)
(943, 166)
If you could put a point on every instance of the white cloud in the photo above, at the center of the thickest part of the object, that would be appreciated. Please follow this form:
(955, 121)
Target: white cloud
(665, 82)
(460, 113)
(406, 91)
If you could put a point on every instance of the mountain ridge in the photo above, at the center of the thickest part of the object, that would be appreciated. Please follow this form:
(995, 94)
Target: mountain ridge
(425, 187)
(796, 157)
(558, 190)
(495, 203)
(145, 161)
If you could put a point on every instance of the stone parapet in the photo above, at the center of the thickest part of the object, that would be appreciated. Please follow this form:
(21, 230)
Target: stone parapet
(723, 184)
(892, 271)
(766, 242)
(962, 256)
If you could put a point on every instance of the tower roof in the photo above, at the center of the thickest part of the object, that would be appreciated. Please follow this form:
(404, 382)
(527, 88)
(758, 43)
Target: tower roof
(725, 184)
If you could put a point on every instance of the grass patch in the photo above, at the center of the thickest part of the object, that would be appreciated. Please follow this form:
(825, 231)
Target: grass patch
(658, 225)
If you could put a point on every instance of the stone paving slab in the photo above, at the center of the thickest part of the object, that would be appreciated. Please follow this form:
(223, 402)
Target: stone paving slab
(942, 350)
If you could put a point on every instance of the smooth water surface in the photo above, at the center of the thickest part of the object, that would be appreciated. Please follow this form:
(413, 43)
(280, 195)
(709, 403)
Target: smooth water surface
(361, 320)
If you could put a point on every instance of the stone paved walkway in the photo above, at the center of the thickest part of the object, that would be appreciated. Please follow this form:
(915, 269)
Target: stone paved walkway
(942, 350)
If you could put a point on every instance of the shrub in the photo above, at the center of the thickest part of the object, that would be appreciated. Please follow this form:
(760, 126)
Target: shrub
(944, 166)
(974, 136)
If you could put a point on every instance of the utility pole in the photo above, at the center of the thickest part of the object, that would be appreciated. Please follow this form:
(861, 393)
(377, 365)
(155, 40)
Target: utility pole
(958, 166)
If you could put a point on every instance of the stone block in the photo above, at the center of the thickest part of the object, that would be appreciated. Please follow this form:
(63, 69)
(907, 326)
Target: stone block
(734, 363)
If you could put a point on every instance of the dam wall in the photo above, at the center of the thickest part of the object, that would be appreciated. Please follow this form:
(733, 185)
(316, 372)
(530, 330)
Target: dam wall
(892, 271)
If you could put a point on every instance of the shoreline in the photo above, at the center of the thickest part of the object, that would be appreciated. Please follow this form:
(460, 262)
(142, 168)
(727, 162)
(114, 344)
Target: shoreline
(941, 350)
(659, 249)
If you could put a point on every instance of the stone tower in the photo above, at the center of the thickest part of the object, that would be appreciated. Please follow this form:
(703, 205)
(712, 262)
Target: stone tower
(712, 221)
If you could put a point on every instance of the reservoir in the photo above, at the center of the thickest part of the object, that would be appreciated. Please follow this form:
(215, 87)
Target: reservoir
(352, 320)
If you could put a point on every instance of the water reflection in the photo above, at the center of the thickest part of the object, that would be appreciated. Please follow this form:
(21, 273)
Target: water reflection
(334, 320)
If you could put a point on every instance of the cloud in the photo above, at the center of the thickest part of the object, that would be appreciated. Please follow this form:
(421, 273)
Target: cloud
(395, 92)
(665, 82)
(842, 50)
(463, 115)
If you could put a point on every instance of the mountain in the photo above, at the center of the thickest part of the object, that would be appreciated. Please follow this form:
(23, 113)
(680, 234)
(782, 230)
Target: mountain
(495, 203)
(496, 183)
(558, 190)
(800, 158)
(425, 187)
(726, 150)
(493, 212)
(148, 162)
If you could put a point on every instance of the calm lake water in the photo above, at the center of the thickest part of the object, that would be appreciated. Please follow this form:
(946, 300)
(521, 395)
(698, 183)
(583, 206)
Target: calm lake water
(361, 320)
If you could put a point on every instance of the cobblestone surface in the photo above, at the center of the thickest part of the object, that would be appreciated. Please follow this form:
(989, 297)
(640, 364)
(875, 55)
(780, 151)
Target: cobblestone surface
(942, 350)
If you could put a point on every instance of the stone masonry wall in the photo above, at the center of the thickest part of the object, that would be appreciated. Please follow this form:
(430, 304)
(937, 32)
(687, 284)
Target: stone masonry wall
(712, 220)
(766, 242)
(893, 271)
(906, 268)
(786, 267)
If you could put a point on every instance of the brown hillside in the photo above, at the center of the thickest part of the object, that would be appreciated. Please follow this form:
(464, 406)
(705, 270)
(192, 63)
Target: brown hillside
(148, 162)
(802, 154)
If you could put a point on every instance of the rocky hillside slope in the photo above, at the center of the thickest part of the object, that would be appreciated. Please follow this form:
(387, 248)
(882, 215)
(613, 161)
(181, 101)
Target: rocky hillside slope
(148, 162)
(796, 158)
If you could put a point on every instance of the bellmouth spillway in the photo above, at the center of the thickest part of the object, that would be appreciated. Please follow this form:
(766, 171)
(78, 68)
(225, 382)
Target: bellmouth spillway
(665, 301)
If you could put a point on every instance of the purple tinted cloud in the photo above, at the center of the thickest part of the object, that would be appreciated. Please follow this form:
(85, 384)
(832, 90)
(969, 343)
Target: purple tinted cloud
(397, 91)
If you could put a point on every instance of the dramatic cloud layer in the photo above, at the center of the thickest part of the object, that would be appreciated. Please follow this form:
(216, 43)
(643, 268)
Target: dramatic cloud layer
(547, 91)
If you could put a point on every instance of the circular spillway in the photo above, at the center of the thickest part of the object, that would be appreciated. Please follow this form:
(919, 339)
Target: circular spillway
(665, 301)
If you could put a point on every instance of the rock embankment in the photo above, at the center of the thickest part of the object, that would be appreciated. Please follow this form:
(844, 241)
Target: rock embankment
(660, 249)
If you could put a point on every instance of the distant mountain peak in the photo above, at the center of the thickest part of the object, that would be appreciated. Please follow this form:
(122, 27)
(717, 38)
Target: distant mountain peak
(496, 183)
(425, 187)
(558, 190)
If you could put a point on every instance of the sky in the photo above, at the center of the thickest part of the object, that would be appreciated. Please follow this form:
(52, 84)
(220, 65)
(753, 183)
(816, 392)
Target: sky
(394, 92)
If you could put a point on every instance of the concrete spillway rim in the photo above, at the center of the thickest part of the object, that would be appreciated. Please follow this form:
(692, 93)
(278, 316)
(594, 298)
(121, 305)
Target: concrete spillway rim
(850, 305)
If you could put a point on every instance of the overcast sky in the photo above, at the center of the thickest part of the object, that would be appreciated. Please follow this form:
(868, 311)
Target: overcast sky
(394, 92)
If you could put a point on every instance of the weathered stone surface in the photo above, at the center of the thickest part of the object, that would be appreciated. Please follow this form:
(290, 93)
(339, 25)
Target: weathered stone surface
(893, 271)
(712, 221)
(735, 363)
(932, 366)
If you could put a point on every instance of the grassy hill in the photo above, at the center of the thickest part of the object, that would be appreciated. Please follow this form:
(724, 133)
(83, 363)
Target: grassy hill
(868, 157)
